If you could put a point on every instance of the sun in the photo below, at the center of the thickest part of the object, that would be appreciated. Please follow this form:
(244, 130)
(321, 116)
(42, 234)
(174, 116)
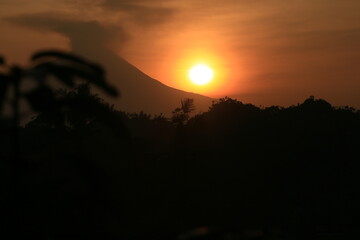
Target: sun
(201, 74)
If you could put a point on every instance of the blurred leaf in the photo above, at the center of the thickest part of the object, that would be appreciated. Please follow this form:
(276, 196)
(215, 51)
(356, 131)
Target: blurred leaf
(5, 124)
(41, 99)
(69, 57)
(101, 112)
(38, 73)
(92, 77)
(4, 82)
(74, 66)
(60, 72)
(2, 60)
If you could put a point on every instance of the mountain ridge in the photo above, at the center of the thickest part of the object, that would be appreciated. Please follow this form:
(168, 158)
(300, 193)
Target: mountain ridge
(140, 92)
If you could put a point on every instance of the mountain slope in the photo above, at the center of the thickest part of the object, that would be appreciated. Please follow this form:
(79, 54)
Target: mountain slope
(139, 92)
(90, 39)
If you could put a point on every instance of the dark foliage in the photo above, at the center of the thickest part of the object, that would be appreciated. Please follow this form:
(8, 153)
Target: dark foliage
(85, 170)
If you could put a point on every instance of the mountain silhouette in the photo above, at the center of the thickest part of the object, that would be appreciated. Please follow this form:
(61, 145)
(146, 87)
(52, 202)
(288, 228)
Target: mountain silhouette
(140, 92)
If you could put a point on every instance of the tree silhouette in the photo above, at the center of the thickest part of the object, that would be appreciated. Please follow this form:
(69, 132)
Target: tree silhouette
(66, 118)
(182, 114)
(65, 67)
(82, 111)
(239, 170)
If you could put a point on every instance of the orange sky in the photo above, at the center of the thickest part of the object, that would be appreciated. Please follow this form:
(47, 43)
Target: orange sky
(263, 52)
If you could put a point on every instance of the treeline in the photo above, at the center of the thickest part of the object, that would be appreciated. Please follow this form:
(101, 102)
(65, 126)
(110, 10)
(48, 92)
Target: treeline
(83, 169)
(237, 167)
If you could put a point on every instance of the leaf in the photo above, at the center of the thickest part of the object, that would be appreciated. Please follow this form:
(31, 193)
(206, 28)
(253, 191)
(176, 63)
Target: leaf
(41, 99)
(50, 68)
(101, 113)
(38, 73)
(68, 57)
(6, 123)
(4, 82)
(74, 66)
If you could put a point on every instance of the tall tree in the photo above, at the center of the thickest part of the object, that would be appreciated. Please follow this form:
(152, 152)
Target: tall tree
(182, 114)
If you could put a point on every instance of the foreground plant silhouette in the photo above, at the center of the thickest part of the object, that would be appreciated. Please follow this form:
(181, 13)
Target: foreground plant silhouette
(182, 114)
(65, 67)
(15, 81)
(230, 172)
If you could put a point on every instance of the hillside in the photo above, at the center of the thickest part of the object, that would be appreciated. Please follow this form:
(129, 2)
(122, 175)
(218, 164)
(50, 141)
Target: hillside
(139, 92)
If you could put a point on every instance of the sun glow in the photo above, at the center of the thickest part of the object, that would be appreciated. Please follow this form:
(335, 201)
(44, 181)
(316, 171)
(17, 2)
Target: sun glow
(201, 74)
(189, 76)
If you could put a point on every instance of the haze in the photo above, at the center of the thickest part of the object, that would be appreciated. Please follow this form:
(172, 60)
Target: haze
(265, 52)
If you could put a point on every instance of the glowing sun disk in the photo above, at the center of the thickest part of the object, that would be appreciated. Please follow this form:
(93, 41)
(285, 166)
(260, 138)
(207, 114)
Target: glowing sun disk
(201, 74)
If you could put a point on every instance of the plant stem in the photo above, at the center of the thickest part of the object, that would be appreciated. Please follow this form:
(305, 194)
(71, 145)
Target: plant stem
(16, 77)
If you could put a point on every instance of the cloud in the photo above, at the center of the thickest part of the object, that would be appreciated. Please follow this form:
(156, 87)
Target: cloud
(89, 23)
(85, 36)
(143, 12)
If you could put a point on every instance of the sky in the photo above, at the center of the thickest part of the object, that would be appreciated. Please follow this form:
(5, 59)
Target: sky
(265, 52)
